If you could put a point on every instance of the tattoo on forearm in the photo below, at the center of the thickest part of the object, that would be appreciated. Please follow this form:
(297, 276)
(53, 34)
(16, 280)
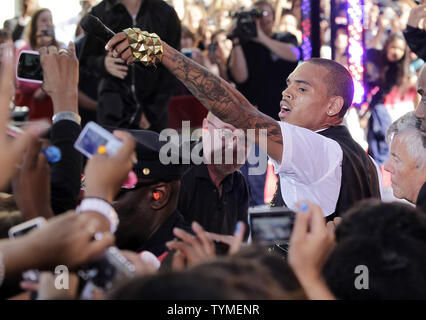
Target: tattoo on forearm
(221, 98)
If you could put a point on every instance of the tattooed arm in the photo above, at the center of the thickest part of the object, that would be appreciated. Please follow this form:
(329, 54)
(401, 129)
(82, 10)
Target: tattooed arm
(217, 95)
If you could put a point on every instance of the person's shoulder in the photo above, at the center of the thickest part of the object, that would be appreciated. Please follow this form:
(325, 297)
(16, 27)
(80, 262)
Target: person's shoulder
(102, 5)
(100, 8)
(162, 5)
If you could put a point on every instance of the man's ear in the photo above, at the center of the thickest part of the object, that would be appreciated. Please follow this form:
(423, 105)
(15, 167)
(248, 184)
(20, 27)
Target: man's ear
(335, 105)
(160, 195)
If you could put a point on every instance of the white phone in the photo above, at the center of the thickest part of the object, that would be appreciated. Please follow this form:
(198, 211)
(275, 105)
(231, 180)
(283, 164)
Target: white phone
(94, 136)
(29, 68)
(25, 227)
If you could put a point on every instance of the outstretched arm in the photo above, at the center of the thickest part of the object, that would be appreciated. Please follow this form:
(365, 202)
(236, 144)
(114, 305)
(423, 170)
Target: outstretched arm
(214, 93)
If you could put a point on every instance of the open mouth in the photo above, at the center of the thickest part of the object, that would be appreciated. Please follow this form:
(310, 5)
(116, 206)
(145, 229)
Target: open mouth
(284, 111)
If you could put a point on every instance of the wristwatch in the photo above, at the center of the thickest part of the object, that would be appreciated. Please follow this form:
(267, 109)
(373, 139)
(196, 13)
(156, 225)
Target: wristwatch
(66, 115)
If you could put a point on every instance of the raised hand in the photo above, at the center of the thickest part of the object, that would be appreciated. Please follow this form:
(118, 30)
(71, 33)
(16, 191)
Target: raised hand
(61, 74)
(119, 47)
(417, 14)
(311, 243)
(68, 239)
(31, 185)
(115, 67)
(192, 249)
(11, 151)
(105, 174)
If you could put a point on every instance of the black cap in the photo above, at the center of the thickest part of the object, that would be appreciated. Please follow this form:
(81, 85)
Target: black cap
(149, 166)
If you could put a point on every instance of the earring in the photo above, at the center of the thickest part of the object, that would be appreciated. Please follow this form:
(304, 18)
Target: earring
(156, 195)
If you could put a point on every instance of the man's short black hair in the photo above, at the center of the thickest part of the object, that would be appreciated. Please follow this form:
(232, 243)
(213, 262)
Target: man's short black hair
(339, 82)
(390, 240)
(392, 269)
(382, 220)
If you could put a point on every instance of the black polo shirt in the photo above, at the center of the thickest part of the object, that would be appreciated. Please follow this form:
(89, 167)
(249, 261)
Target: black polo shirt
(199, 200)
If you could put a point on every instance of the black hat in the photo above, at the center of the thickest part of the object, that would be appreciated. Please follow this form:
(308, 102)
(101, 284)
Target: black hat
(149, 165)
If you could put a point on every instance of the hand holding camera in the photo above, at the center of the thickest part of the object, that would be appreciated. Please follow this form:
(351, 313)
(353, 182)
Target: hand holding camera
(310, 244)
(117, 165)
(198, 248)
(11, 151)
(246, 27)
(31, 186)
(67, 239)
(260, 34)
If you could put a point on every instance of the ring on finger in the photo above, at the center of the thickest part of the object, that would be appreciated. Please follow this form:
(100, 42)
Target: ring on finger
(91, 230)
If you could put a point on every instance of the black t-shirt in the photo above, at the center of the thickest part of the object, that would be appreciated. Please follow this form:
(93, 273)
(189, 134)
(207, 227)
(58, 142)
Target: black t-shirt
(199, 200)
(267, 75)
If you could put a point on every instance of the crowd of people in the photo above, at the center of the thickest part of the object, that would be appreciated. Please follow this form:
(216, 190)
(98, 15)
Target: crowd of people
(128, 225)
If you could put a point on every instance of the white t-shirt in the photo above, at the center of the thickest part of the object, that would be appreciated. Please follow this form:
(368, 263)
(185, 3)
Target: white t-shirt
(310, 169)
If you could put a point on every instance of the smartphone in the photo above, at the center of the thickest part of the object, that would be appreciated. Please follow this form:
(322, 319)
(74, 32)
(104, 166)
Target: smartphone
(29, 68)
(271, 226)
(25, 227)
(32, 275)
(20, 114)
(108, 269)
(94, 136)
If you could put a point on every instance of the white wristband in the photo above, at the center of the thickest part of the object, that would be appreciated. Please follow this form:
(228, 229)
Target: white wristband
(2, 270)
(101, 206)
(66, 115)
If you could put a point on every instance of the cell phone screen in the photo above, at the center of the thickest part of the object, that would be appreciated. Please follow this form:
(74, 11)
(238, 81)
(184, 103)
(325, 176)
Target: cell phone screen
(92, 140)
(272, 226)
(29, 67)
(92, 137)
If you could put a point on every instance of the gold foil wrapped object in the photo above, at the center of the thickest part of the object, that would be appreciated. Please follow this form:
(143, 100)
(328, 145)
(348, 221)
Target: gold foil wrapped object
(146, 47)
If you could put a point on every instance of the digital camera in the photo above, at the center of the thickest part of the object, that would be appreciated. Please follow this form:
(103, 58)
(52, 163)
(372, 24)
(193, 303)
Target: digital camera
(246, 24)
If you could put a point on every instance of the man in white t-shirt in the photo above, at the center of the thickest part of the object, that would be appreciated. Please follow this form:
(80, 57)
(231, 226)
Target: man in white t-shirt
(313, 153)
